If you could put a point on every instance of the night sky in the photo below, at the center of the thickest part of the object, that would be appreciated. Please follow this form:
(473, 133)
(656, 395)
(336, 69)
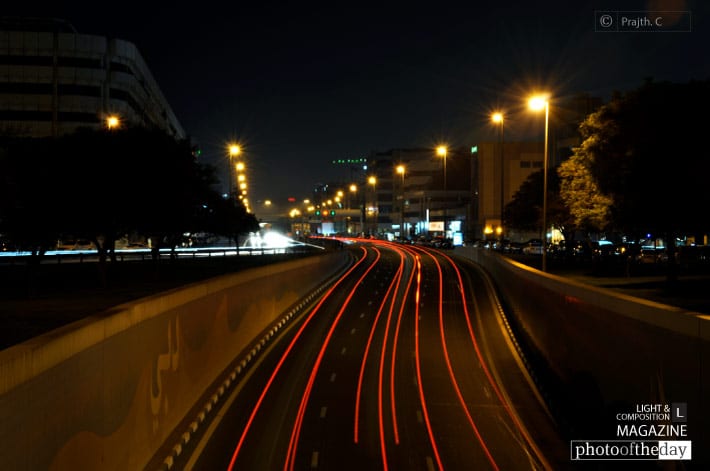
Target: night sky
(304, 83)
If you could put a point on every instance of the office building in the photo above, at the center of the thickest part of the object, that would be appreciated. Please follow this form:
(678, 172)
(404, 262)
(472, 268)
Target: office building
(54, 80)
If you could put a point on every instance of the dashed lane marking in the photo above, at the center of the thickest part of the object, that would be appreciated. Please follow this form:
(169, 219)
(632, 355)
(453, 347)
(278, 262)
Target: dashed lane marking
(314, 460)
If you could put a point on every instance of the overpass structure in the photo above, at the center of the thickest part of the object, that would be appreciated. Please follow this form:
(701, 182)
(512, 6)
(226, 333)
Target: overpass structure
(110, 391)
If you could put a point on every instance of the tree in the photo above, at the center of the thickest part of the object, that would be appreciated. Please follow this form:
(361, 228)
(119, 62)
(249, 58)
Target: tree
(27, 217)
(588, 207)
(644, 152)
(100, 185)
(524, 211)
(227, 217)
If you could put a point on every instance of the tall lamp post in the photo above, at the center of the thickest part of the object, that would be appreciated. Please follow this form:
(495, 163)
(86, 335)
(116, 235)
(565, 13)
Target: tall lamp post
(373, 181)
(498, 119)
(539, 103)
(353, 189)
(401, 170)
(113, 122)
(441, 152)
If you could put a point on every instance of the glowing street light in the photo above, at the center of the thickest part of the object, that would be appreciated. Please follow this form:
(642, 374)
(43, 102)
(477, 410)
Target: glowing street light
(112, 122)
(539, 103)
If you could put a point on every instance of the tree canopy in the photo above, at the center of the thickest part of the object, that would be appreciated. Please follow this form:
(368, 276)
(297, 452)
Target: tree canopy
(100, 185)
(524, 211)
(640, 167)
(588, 207)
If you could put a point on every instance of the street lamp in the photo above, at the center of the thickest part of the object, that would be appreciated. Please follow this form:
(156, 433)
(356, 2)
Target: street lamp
(373, 181)
(441, 152)
(498, 119)
(112, 122)
(401, 170)
(539, 103)
(353, 190)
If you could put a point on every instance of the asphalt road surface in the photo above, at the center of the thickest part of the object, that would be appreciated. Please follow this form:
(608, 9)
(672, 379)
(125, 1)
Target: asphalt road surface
(403, 364)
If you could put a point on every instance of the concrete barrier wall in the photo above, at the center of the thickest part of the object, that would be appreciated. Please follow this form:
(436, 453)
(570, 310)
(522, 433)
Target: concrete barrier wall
(105, 392)
(607, 352)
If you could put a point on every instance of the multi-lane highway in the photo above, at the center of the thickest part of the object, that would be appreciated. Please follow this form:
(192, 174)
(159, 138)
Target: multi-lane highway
(404, 363)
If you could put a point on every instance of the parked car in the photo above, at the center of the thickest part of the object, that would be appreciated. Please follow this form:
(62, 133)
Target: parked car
(651, 255)
(532, 247)
(440, 242)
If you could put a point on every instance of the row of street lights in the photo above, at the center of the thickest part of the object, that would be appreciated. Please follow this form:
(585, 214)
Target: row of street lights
(237, 175)
(536, 103)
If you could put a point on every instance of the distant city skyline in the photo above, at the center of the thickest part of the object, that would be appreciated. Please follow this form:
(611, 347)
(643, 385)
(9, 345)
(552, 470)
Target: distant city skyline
(300, 86)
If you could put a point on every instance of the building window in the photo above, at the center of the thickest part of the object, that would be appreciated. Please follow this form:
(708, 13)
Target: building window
(118, 67)
(79, 90)
(127, 97)
(14, 88)
(79, 62)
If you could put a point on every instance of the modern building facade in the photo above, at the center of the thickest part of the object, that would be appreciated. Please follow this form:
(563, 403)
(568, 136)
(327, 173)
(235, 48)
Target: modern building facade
(499, 171)
(420, 193)
(54, 80)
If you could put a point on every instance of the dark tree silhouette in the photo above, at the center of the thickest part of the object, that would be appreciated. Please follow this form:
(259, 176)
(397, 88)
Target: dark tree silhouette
(524, 211)
(100, 185)
(646, 152)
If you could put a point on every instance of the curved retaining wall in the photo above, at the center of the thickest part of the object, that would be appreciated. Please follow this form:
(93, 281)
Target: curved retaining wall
(106, 392)
(607, 352)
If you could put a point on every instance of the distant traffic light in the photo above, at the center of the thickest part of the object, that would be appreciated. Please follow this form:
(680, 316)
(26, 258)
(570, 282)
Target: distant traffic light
(317, 212)
(332, 212)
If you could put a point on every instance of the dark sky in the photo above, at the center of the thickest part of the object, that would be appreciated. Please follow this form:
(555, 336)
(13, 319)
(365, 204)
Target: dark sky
(303, 83)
